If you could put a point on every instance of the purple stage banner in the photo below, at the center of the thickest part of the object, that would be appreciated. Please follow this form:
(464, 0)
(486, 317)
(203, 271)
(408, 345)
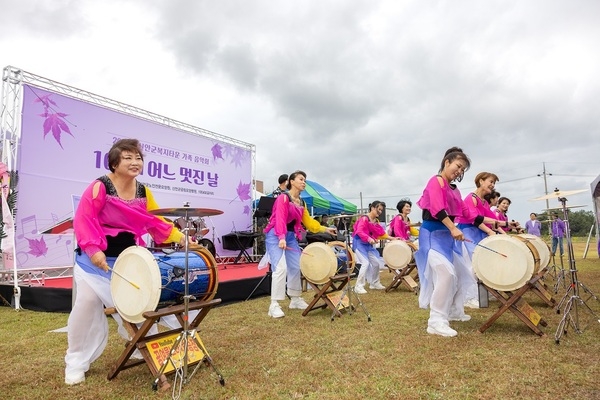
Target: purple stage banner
(64, 145)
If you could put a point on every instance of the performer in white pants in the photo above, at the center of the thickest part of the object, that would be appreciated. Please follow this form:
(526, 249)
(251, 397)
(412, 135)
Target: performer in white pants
(112, 215)
(365, 233)
(281, 241)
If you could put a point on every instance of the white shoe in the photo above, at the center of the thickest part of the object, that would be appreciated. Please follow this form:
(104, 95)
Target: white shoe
(360, 289)
(74, 378)
(275, 311)
(439, 328)
(377, 286)
(462, 318)
(298, 303)
(472, 303)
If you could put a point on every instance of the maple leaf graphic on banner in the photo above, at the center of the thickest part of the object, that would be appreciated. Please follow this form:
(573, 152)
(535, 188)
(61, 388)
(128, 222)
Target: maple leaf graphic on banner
(37, 247)
(217, 151)
(243, 192)
(54, 121)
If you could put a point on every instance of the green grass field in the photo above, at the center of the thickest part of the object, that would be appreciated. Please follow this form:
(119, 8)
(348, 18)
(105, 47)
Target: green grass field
(391, 357)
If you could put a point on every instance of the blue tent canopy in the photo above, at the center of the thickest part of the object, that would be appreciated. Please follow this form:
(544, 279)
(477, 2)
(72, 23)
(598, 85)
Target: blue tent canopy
(321, 201)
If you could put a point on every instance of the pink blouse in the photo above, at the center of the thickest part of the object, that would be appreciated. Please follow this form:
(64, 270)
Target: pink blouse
(400, 228)
(106, 215)
(365, 229)
(436, 198)
(286, 211)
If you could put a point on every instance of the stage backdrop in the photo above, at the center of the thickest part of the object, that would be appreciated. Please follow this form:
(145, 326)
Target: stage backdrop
(64, 145)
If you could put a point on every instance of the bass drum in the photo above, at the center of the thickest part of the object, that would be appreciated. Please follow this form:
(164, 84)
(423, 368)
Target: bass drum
(505, 273)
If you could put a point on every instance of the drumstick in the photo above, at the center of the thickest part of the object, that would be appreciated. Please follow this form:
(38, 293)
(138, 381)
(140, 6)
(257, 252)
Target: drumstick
(125, 279)
(487, 248)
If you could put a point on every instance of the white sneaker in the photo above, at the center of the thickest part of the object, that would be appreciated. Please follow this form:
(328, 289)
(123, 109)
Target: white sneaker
(472, 303)
(298, 303)
(74, 378)
(439, 328)
(360, 289)
(377, 286)
(275, 311)
(462, 318)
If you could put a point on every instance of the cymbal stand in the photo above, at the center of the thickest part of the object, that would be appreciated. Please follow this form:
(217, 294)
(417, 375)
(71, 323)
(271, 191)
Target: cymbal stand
(214, 231)
(348, 289)
(559, 274)
(186, 334)
(572, 299)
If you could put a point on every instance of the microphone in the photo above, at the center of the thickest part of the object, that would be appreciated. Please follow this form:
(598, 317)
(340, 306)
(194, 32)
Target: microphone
(233, 222)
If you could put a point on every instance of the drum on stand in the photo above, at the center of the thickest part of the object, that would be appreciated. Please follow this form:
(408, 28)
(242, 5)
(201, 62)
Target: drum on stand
(318, 262)
(143, 280)
(397, 254)
(541, 246)
(505, 273)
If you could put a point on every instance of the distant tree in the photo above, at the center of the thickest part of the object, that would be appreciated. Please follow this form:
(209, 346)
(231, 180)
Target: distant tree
(579, 221)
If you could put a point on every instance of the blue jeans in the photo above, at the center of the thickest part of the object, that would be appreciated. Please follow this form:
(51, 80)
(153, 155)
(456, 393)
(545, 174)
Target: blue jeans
(559, 241)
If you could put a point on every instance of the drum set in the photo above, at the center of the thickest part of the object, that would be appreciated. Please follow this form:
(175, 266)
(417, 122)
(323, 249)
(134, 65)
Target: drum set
(144, 280)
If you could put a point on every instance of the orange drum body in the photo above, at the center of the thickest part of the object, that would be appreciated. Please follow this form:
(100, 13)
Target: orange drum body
(397, 254)
(506, 273)
(320, 261)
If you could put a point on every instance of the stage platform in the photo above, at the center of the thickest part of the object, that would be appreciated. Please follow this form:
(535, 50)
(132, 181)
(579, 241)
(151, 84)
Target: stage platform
(54, 294)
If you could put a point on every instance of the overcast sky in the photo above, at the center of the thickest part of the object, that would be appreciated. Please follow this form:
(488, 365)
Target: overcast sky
(365, 96)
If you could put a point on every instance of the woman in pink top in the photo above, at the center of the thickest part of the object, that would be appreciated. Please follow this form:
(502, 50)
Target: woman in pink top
(400, 224)
(365, 233)
(442, 277)
(112, 215)
(281, 240)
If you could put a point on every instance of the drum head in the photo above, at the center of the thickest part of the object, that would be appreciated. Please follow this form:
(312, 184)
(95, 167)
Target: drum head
(318, 262)
(503, 273)
(137, 265)
(397, 254)
(541, 247)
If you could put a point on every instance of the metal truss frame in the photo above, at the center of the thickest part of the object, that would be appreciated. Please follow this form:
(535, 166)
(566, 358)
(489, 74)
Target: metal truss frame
(13, 80)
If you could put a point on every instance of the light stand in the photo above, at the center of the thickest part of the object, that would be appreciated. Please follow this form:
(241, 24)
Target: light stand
(348, 289)
(572, 299)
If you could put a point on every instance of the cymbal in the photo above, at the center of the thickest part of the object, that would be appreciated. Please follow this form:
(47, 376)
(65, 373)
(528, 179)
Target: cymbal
(557, 193)
(186, 212)
(560, 208)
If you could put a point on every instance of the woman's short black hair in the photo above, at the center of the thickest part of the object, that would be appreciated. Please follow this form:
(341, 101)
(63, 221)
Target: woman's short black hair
(121, 145)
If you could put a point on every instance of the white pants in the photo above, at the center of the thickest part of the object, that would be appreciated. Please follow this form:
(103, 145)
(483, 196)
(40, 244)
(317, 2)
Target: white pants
(370, 265)
(447, 294)
(87, 327)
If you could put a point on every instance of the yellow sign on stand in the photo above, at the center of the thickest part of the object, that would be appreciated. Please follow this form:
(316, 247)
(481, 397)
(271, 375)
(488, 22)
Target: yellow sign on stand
(160, 350)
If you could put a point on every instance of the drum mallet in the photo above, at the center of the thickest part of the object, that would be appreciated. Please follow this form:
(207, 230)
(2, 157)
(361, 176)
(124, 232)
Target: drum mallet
(122, 277)
(487, 248)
